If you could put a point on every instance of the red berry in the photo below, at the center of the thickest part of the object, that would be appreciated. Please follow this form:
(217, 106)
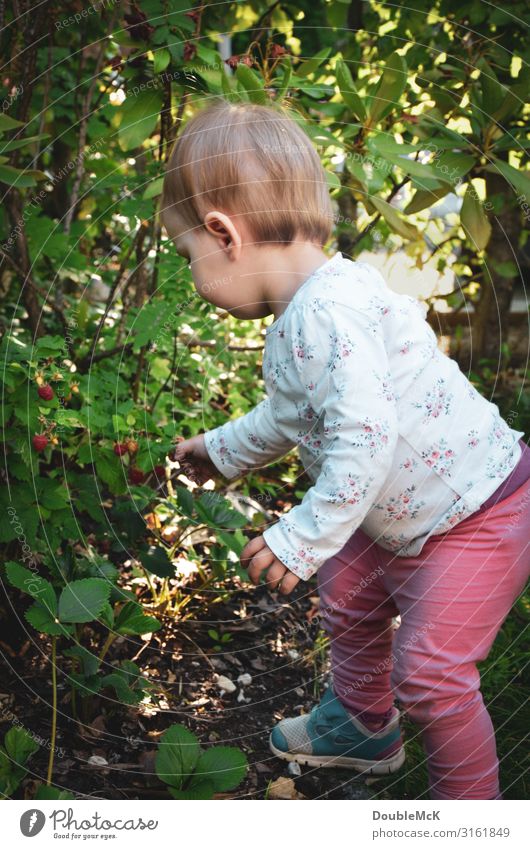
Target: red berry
(120, 448)
(160, 471)
(46, 392)
(40, 441)
(136, 476)
(132, 446)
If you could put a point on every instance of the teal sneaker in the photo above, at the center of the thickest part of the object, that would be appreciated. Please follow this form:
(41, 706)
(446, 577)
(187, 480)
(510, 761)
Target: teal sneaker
(329, 736)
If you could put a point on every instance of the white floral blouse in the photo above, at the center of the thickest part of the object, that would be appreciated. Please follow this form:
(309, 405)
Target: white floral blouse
(394, 437)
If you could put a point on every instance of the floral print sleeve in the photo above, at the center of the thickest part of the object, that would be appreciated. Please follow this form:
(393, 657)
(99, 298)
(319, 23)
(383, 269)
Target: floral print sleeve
(248, 442)
(339, 362)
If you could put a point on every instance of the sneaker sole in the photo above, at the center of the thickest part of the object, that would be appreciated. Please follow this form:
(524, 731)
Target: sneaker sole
(383, 767)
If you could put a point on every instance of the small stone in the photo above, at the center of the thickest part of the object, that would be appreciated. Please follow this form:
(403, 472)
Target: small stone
(97, 760)
(294, 769)
(225, 684)
(244, 679)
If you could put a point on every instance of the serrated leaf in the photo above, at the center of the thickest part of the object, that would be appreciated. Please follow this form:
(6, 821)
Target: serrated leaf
(19, 745)
(177, 755)
(132, 620)
(83, 601)
(216, 511)
(28, 582)
(224, 766)
(156, 560)
(42, 620)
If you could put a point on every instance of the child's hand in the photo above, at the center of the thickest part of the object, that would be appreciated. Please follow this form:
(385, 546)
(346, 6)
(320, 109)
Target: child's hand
(257, 556)
(194, 460)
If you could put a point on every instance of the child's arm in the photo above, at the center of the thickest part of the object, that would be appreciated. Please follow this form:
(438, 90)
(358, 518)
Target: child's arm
(347, 377)
(248, 442)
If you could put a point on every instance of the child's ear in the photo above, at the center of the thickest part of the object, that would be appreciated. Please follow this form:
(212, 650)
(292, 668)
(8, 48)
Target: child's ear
(221, 226)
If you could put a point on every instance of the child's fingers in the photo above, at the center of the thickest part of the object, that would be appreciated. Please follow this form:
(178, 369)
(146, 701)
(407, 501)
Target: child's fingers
(253, 546)
(289, 582)
(275, 575)
(261, 561)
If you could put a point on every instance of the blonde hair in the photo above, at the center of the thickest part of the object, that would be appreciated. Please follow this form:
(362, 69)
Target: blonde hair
(251, 160)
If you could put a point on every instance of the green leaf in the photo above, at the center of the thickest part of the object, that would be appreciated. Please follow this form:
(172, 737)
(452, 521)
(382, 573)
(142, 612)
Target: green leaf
(216, 511)
(20, 745)
(406, 230)
(311, 65)
(28, 582)
(202, 790)
(132, 620)
(18, 143)
(185, 501)
(139, 116)
(156, 560)
(42, 620)
(162, 60)
(253, 85)
(110, 469)
(286, 76)
(519, 180)
(8, 123)
(423, 198)
(224, 766)
(474, 220)
(389, 89)
(154, 189)
(348, 91)
(83, 601)
(45, 792)
(19, 178)
(177, 756)
(493, 93)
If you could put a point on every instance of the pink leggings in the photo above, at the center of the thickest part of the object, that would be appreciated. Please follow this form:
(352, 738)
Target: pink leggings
(452, 599)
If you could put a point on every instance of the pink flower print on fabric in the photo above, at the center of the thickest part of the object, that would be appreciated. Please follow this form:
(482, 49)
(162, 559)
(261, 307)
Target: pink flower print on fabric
(456, 512)
(257, 441)
(473, 441)
(409, 464)
(302, 350)
(404, 506)
(342, 348)
(395, 542)
(439, 457)
(405, 348)
(224, 451)
(436, 401)
(374, 435)
(310, 440)
(332, 427)
(499, 434)
(306, 412)
(379, 306)
(386, 389)
(499, 468)
(350, 491)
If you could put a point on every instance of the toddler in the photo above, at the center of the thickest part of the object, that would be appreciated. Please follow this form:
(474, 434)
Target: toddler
(420, 497)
